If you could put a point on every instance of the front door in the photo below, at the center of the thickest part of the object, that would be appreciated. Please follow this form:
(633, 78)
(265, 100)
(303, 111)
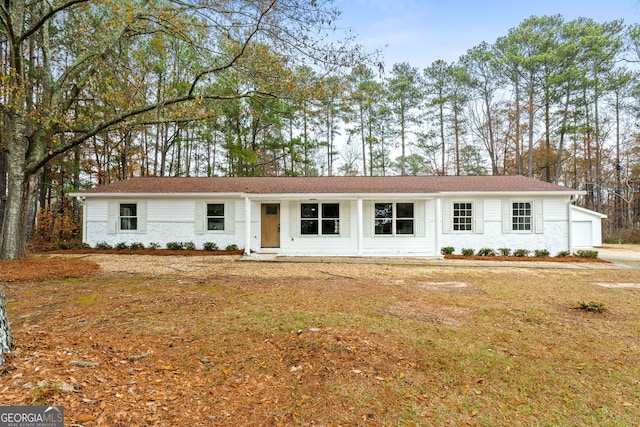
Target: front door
(270, 225)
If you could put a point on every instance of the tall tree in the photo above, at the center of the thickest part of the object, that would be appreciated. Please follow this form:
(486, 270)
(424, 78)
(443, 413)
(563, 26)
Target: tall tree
(55, 70)
(403, 89)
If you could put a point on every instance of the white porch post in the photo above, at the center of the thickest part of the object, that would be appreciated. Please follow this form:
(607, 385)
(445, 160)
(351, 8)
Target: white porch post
(247, 226)
(438, 226)
(360, 222)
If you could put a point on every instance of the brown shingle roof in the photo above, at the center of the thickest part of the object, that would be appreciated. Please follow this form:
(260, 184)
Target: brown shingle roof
(325, 185)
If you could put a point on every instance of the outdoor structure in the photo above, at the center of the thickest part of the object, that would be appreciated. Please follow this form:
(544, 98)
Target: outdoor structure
(341, 216)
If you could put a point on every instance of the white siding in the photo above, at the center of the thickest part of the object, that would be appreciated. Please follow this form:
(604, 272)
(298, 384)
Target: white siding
(178, 220)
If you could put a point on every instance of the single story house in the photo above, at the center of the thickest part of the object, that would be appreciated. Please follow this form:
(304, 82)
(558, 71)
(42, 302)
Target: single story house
(341, 216)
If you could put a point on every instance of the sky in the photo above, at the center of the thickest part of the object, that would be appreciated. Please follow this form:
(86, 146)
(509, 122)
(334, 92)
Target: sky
(422, 31)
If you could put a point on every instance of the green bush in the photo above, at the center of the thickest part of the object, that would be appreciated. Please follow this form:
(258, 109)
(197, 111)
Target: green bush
(504, 251)
(447, 250)
(541, 252)
(154, 245)
(521, 252)
(122, 245)
(136, 245)
(587, 253)
(592, 307)
(467, 252)
(64, 245)
(103, 245)
(175, 246)
(486, 252)
(232, 247)
(210, 246)
(190, 246)
(563, 254)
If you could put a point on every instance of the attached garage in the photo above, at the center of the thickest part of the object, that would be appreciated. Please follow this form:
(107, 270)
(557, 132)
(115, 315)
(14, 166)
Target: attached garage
(586, 228)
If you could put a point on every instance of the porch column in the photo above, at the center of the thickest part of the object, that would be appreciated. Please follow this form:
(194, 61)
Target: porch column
(360, 222)
(438, 226)
(247, 226)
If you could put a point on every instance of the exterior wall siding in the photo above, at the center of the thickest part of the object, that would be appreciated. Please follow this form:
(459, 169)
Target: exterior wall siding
(176, 220)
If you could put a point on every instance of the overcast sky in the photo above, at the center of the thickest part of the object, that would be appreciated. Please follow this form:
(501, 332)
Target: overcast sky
(422, 31)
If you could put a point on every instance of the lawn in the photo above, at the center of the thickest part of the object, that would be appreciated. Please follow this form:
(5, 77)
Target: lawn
(203, 341)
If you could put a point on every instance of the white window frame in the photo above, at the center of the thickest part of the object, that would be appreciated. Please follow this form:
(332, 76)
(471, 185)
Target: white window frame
(207, 217)
(320, 219)
(131, 219)
(471, 217)
(515, 226)
(394, 219)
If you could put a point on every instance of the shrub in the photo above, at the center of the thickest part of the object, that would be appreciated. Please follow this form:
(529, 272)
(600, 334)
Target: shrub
(190, 246)
(521, 252)
(64, 245)
(467, 252)
(563, 254)
(103, 245)
(447, 250)
(154, 245)
(592, 307)
(587, 253)
(486, 252)
(210, 246)
(136, 245)
(504, 251)
(175, 246)
(232, 247)
(122, 245)
(541, 253)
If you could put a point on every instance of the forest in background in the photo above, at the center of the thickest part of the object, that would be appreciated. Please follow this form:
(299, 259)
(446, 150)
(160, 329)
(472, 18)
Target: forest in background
(552, 99)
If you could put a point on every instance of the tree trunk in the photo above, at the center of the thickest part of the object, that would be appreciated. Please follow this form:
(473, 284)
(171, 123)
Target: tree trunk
(6, 340)
(16, 208)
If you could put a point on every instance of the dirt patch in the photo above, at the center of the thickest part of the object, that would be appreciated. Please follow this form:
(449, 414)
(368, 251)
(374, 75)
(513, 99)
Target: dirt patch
(618, 285)
(437, 314)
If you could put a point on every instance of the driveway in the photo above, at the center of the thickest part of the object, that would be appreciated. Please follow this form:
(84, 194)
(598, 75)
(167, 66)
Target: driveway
(628, 255)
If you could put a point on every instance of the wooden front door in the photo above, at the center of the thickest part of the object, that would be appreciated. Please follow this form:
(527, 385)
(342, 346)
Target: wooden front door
(270, 225)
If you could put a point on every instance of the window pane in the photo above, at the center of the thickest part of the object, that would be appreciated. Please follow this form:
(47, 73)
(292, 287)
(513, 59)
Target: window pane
(271, 210)
(521, 220)
(330, 226)
(128, 209)
(383, 226)
(308, 226)
(215, 224)
(404, 226)
(128, 223)
(405, 210)
(384, 210)
(309, 210)
(330, 210)
(215, 209)
(462, 215)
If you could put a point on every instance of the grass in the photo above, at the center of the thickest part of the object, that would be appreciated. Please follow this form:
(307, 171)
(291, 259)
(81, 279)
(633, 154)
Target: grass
(364, 345)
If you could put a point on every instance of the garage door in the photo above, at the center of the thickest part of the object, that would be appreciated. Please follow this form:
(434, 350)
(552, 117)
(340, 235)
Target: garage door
(581, 234)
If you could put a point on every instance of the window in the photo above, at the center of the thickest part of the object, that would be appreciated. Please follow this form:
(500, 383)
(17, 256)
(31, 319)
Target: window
(462, 216)
(521, 216)
(215, 216)
(393, 218)
(128, 218)
(316, 218)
